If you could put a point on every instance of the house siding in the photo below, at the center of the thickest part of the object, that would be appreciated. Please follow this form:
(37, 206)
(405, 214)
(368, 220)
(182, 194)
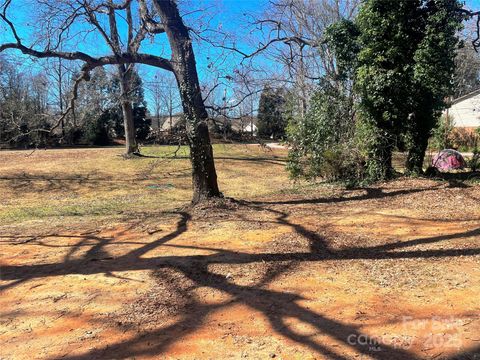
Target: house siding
(466, 112)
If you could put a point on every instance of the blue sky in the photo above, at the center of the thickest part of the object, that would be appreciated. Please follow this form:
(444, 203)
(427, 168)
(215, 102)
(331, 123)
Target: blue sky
(227, 15)
(230, 15)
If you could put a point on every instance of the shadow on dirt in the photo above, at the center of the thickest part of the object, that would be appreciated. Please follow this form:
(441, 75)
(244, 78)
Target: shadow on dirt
(185, 273)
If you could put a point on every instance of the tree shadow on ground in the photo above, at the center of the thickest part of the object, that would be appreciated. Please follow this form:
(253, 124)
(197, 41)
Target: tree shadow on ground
(473, 354)
(23, 183)
(275, 306)
(272, 160)
(457, 179)
(370, 193)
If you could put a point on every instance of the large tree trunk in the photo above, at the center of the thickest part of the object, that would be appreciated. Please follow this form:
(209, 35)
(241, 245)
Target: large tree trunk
(416, 157)
(421, 124)
(131, 146)
(379, 162)
(183, 61)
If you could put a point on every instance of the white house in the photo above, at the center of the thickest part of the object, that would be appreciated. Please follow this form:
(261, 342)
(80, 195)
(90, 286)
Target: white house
(245, 125)
(465, 111)
(250, 128)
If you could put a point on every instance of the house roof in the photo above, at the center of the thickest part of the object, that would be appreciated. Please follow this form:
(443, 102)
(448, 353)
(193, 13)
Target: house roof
(465, 110)
(164, 121)
(465, 97)
(243, 124)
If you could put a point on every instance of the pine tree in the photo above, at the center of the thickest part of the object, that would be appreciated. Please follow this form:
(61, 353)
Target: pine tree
(271, 120)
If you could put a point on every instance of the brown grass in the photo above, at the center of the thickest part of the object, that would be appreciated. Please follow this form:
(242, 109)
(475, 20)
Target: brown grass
(52, 184)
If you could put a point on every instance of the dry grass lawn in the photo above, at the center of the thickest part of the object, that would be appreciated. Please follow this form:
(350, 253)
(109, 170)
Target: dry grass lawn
(103, 258)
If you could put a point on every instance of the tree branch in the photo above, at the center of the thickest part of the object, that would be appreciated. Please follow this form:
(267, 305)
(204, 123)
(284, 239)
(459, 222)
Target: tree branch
(93, 62)
(150, 25)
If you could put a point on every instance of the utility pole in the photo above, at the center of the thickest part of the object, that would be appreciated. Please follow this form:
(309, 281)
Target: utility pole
(225, 114)
(170, 107)
(60, 93)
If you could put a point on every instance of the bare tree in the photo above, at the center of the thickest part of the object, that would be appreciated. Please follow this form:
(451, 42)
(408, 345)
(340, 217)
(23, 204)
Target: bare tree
(155, 17)
(291, 33)
(59, 73)
(301, 25)
(124, 71)
(23, 104)
(164, 95)
(156, 94)
(467, 64)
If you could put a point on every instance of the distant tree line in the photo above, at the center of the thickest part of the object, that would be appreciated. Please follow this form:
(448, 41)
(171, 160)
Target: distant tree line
(29, 107)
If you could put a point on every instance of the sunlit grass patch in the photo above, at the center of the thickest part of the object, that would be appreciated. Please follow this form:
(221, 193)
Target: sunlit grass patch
(100, 182)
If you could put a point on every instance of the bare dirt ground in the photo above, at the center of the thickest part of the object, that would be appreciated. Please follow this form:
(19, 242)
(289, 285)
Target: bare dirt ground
(287, 271)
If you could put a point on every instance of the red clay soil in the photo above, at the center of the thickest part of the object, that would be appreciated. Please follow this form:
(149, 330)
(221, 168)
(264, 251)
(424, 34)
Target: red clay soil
(389, 272)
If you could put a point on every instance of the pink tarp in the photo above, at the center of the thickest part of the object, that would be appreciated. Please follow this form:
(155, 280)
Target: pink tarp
(448, 159)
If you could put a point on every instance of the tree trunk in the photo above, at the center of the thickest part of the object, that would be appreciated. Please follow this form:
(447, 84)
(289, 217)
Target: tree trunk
(131, 146)
(183, 60)
(60, 97)
(170, 112)
(379, 163)
(416, 156)
(421, 125)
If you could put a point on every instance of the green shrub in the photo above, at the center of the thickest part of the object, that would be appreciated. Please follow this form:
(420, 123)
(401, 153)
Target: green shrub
(442, 135)
(324, 143)
(474, 162)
